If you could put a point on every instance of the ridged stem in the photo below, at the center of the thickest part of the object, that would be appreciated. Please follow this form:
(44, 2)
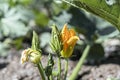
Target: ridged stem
(66, 69)
(80, 63)
(59, 68)
(40, 67)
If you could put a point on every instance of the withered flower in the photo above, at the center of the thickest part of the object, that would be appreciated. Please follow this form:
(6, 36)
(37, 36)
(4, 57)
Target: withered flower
(30, 54)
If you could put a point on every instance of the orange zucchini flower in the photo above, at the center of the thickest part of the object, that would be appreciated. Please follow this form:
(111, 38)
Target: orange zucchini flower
(69, 40)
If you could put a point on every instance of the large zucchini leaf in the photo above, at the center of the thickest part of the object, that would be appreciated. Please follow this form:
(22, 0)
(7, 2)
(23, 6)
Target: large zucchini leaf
(107, 9)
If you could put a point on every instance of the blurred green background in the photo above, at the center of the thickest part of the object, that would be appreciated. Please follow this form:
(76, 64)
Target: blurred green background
(18, 18)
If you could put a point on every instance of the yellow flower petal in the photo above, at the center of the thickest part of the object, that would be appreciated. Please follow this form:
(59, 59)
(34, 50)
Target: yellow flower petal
(72, 40)
(72, 32)
(65, 33)
(69, 40)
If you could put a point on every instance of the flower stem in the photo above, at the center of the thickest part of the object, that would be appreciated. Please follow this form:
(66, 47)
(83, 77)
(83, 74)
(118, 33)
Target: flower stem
(79, 65)
(59, 68)
(66, 68)
(51, 77)
(40, 67)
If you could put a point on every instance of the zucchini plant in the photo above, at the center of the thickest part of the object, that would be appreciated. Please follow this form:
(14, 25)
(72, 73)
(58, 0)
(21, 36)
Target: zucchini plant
(107, 9)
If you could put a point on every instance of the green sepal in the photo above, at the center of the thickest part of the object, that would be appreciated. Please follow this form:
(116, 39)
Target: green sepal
(35, 42)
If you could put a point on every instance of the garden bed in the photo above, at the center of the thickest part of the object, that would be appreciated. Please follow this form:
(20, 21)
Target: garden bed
(12, 69)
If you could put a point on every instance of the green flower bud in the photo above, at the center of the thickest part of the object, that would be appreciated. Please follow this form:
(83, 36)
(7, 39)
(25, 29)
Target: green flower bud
(55, 40)
(35, 57)
(34, 53)
(35, 42)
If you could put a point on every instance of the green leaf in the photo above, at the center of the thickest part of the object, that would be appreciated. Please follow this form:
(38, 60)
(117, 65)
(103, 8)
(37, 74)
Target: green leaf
(45, 39)
(61, 19)
(96, 53)
(13, 28)
(14, 20)
(41, 19)
(110, 11)
(4, 49)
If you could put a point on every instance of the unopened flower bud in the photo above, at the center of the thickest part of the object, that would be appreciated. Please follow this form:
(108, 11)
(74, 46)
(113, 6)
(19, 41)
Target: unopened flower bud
(55, 40)
(35, 58)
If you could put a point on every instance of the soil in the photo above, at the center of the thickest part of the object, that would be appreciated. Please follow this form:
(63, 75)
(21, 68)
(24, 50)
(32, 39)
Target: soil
(12, 69)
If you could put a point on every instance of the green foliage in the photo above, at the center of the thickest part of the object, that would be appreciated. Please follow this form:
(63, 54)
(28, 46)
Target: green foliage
(4, 48)
(15, 16)
(94, 29)
(100, 8)
(46, 10)
(16, 2)
(13, 20)
(96, 53)
(60, 20)
(41, 19)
